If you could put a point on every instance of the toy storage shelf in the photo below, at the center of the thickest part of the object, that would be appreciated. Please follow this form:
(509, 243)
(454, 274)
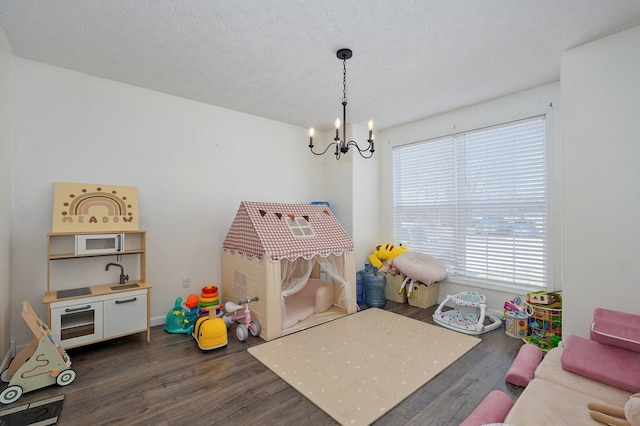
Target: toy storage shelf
(83, 304)
(545, 325)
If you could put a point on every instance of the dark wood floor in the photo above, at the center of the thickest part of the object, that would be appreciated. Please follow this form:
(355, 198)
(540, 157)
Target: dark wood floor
(169, 381)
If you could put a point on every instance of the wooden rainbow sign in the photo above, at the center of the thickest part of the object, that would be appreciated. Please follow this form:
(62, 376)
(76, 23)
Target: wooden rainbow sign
(85, 207)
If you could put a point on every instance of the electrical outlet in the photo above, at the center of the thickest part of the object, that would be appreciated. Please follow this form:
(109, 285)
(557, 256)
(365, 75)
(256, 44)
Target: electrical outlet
(186, 282)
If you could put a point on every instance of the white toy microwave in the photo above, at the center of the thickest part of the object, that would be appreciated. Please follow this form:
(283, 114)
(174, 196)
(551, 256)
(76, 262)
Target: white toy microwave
(99, 243)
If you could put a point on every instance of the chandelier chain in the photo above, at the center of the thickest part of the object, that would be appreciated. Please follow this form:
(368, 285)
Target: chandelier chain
(344, 80)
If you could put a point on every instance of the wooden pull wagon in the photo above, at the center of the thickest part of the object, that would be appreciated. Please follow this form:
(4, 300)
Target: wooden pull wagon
(41, 363)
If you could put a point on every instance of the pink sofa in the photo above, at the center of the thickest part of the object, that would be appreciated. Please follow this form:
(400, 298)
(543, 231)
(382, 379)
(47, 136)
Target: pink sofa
(603, 369)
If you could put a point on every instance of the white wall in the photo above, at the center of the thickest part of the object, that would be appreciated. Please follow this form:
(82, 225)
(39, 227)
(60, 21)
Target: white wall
(192, 163)
(366, 200)
(6, 131)
(518, 106)
(351, 184)
(601, 102)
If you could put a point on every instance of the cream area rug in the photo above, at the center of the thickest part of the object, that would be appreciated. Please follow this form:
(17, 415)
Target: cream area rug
(358, 367)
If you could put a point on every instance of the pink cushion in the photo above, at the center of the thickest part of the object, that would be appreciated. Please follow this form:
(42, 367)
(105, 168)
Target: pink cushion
(521, 371)
(492, 409)
(616, 328)
(421, 267)
(603, 363)
(315, 297)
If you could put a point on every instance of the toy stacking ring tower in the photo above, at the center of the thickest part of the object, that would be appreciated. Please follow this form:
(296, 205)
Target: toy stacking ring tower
(468, 315)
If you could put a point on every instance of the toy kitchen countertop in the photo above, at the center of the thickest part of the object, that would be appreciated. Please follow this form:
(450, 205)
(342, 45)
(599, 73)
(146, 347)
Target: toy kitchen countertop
(74, 293)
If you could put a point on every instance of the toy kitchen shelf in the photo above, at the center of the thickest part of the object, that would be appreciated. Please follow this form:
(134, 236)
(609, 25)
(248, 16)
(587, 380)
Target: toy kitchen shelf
(88, 300)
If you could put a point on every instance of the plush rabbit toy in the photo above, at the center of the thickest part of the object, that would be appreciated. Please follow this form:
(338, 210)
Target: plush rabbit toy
(629, 415)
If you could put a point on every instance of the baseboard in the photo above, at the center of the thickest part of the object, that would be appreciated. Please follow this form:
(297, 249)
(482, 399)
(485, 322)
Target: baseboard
(157, 321)
(6, 360)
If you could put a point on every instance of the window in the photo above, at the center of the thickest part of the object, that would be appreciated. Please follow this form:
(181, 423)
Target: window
(300, 227)
(478, 202)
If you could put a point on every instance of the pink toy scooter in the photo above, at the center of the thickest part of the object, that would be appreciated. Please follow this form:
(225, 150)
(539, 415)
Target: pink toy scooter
(247, 325)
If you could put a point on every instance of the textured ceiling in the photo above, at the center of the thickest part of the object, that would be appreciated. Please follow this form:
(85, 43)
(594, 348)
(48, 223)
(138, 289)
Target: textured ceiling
(276, 58)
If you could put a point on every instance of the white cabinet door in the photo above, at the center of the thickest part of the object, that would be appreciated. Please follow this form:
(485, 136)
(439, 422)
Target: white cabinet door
(125, 314)
(77, 324)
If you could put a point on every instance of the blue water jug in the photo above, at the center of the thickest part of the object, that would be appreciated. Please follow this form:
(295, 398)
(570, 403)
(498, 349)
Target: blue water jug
(375, 290)
(359, 288)
(360, 275)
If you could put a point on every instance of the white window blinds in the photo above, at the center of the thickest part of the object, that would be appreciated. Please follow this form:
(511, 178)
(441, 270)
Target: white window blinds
(478, 202)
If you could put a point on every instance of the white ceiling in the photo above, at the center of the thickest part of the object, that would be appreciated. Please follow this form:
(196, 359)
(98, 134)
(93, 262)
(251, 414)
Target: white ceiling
(276, 58)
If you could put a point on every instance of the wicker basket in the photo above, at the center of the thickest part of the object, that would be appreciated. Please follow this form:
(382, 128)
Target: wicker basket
(392, 291)
(424, 296)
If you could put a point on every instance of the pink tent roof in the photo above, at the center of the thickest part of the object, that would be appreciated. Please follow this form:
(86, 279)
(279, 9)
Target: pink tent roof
(286, 231)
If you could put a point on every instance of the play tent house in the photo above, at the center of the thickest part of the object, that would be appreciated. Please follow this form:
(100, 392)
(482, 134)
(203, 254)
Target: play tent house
(296, 258)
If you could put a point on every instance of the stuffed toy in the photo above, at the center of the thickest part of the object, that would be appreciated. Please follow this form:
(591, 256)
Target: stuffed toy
(629, 415)
(385, 252)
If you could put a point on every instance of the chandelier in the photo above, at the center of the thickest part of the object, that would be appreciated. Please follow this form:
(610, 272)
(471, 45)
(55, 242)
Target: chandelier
(341, 144)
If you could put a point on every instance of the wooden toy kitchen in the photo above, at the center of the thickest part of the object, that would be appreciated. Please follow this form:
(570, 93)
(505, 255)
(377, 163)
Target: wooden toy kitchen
(96, 266)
